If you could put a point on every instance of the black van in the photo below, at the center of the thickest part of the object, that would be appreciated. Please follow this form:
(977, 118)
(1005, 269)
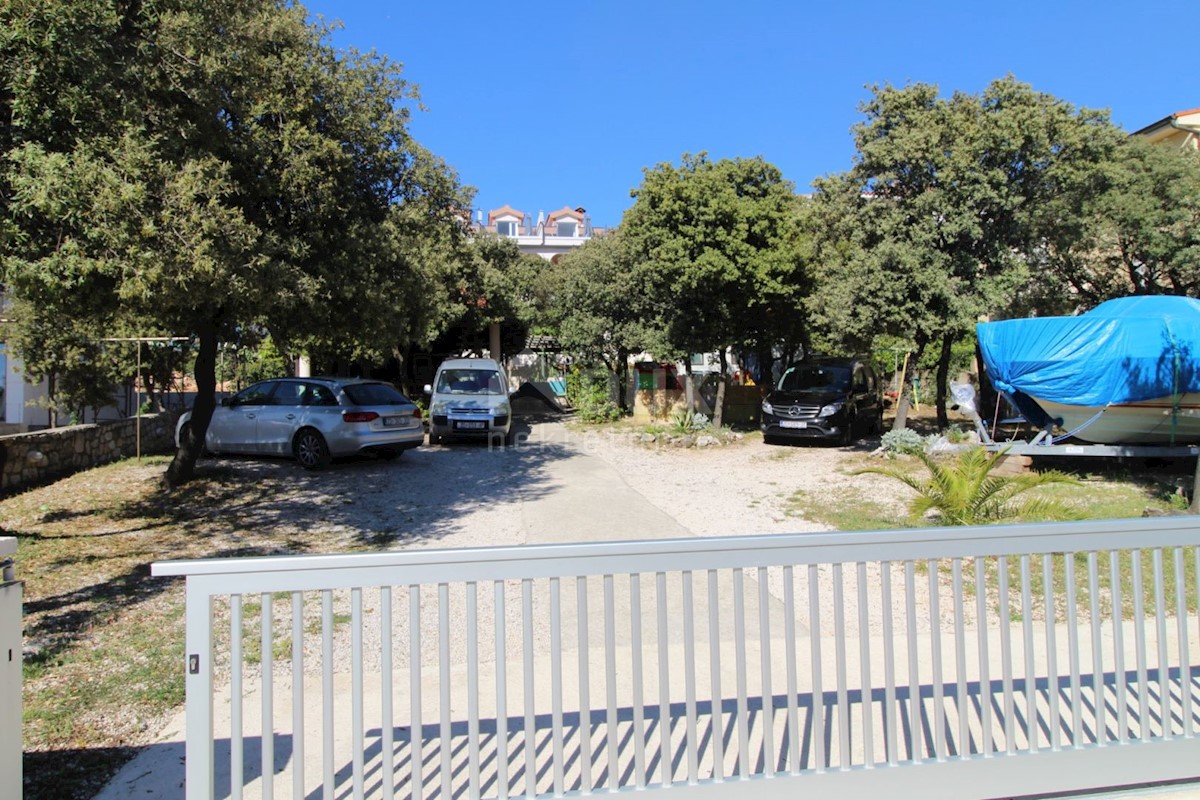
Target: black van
(834, 399)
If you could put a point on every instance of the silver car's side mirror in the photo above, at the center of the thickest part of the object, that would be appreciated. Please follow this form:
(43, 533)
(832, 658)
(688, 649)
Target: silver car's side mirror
(428, 389)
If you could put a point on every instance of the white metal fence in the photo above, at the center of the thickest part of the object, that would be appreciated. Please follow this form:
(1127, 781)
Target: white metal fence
(965, 662)
(10, 672)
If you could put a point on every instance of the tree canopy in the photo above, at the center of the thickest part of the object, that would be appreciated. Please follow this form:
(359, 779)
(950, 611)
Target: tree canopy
(718, 247)
(945, 210)
(187, 167)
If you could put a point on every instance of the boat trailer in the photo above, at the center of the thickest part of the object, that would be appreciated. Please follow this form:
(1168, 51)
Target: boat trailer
(1045, 443)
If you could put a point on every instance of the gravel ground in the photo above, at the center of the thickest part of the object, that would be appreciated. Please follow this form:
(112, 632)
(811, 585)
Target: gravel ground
(466, 495)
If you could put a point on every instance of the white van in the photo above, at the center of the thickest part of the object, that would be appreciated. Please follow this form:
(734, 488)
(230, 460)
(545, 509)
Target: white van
(469, 398)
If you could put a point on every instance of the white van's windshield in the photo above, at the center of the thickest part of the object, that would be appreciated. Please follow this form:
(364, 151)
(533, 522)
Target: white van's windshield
(470, 381)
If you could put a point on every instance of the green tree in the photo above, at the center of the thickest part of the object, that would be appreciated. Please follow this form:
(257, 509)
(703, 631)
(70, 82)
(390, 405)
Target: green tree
(943, 213)
(718, 243)
(602, 310)
(1136, 230)
(196, 167)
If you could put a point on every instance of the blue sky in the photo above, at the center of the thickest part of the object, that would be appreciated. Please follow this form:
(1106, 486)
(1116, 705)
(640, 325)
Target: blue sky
(549, 105)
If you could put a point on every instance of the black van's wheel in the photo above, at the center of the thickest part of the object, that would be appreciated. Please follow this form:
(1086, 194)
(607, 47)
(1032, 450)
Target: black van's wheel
(847, 437)
(310, 449)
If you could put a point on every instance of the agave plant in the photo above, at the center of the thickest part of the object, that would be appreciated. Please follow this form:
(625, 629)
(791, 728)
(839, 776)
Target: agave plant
(963, 491)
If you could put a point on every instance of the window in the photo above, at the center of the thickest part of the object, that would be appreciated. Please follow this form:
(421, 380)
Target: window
(566, 228)
(470, 381)
(506, 228)
(257, 395)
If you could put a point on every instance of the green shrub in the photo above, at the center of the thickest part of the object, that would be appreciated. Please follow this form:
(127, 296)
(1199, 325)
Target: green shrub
(684, 421)
(904, 442)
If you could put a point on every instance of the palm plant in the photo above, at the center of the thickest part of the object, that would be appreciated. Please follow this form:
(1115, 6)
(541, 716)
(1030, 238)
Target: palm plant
(963, 491)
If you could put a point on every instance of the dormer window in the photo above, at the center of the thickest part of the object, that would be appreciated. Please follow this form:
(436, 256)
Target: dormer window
(507, 228)
(566, 227)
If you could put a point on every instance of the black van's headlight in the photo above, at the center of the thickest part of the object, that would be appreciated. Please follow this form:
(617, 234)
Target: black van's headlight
(832, 408)
(767, 408)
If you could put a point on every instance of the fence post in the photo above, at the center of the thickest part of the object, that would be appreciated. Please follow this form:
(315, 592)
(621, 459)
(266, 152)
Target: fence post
(10, 673)
(198, 772)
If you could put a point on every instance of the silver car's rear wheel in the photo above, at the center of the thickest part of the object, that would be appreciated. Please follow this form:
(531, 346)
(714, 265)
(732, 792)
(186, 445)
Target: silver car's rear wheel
(184, 433)
(310, 449)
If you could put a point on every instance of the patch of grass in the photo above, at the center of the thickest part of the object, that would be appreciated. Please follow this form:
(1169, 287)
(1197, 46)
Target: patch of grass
(103, 662)
(845, 510)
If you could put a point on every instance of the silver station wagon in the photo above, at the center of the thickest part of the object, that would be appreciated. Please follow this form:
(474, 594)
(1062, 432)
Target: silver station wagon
(313, 419)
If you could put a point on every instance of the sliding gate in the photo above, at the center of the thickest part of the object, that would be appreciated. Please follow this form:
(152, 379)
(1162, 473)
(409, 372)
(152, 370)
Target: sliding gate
(949, 662)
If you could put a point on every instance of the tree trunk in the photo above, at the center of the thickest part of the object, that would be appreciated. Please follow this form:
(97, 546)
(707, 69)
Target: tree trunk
(1194, 507)
(719, 409)
(902, 394)
(183, 466)
(622, 373)
(943, 381)
(689, 386)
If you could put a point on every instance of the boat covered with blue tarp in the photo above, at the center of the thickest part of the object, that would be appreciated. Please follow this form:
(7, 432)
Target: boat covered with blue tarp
(1126, 372)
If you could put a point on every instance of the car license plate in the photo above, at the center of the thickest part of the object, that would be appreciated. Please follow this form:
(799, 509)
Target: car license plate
(470, 426)
(395, 422)
(792, 423)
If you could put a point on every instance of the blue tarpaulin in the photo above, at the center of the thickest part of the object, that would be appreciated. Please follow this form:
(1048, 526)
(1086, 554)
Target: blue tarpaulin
(1122, 351)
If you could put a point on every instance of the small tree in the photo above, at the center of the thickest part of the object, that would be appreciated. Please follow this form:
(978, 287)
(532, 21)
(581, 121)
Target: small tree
(718, 245)
(963, 490)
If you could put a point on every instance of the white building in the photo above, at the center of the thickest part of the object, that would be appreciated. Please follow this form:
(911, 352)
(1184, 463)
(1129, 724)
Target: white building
(547, 237)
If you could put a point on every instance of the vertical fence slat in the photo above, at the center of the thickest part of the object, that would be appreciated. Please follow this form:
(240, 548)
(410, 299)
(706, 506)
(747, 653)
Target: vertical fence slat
(664, 679)
(987, 744)
(820, 757)
(1139, 631)
(530, 738)
(556, 684)
(472, 624)
(770, 761)
(298, 693)
(789, 632)
(267, 644)
(935, 653)
(914, 681)
(356, 691)
(416, 728)
(714, 673)
(1006, 658)
(610, 663)
(500, 617)
(585, 699)
(1098, 681)
(1164, 665)
(739, 635)
(387, 747)
(446, 731)
(889, 663)
(236, 740)
(1073, 650)
(1051, 652)
(327, 726)
(962, 700)
(864, 667)
(689, 676)
(639, 712)
(843, 698)
(1185, 656)
(1118, 631)
(1031, 703)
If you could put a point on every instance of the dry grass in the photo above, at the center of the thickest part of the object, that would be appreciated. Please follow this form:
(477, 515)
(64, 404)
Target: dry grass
(104, 640)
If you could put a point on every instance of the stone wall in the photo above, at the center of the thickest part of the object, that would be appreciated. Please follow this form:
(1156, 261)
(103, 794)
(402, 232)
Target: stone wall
(29, 459)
